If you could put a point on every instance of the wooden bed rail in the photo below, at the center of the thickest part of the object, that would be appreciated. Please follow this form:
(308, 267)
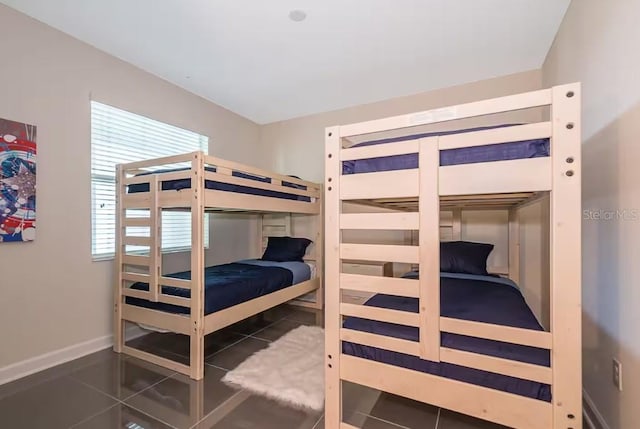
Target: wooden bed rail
(522, 101)
(306, 195)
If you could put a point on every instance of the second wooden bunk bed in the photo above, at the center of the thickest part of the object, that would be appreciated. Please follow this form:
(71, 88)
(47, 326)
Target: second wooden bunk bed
(418, 192)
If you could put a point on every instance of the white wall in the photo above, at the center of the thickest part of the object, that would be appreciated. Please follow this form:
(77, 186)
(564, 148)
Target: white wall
(597, 45)
(52, 294)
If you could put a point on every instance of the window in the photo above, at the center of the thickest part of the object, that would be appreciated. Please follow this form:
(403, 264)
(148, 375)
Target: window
(118, 137)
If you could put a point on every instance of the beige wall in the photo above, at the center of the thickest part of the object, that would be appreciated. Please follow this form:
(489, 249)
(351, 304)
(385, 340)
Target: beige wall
(597, 44)
(53, 295)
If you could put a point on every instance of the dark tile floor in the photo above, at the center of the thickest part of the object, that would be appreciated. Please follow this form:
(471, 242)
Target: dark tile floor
(108, 391)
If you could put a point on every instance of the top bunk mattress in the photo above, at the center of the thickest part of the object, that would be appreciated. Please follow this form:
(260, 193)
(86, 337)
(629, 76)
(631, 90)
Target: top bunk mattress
(178, 184)
(468, 155)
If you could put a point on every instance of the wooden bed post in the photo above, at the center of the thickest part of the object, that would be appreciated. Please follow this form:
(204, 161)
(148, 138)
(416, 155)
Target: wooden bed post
(118, 323)
(565, 257)
(320, 293)
(429, 248)
(514, 245)
(197, 267)
(155, 238)
(333, 321)
(259, 247)
(456, 224)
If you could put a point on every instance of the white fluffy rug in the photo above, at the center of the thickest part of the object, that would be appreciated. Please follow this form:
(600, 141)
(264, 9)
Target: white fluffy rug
(290, 370)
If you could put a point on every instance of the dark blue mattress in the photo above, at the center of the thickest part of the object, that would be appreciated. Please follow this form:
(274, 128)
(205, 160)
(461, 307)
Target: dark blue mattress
(469, 155)
(224, 286)
(178, 184)
(475, 300)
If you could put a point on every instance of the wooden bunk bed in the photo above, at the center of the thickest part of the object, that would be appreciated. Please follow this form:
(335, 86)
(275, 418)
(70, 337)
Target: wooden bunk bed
(200, 184)
(417, 363)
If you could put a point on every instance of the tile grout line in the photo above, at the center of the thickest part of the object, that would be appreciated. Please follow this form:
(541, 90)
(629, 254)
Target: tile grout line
(86, 419)
(216, 408)
(126, 398)
(217, 367)
(394, 424)
(148, 387)
(108, 395)
(149, 415)
(315, 426)
(268, 326)
(244, 337)
(261, 339)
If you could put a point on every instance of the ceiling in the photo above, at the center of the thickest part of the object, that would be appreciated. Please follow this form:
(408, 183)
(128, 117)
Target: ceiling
(248, 56)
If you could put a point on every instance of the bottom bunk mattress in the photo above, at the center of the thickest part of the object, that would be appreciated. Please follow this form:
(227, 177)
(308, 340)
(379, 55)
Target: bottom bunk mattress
(231, 284)
(475, 298)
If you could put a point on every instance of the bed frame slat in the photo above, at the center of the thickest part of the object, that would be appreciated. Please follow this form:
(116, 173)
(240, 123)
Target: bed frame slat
(173, 282)
(379, 185)
(507, 334)
(135, 293)
(479, 108)
(380, 314)
(136, 222)
(379, 150)
(377, 284)
(488, 404)
(137, 260)
(496, 365)
(135, 277)
(243, 168)
(538, 130)
(166, 176)
(501, 177)
(173, 322)
(219, 177)
(380, 341)
(381, 221)
(136, 241)
(380, 252)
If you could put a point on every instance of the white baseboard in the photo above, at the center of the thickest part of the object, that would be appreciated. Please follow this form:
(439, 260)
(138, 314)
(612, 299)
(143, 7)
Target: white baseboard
(30, 366)
(592, 411)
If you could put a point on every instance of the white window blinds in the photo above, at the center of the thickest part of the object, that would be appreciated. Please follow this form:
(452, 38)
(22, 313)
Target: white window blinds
(118, 136)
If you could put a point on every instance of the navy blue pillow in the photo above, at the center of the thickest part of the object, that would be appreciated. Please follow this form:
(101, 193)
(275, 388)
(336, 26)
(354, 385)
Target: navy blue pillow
(282, 249)
(464, 257)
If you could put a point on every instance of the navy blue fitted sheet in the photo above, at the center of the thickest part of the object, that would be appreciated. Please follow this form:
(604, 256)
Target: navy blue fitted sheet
(468, 299)
(178, 184)
(487, 153)
(224, 286)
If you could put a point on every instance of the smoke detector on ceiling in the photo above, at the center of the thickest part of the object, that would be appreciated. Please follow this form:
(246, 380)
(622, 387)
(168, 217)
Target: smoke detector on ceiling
(297, 15)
